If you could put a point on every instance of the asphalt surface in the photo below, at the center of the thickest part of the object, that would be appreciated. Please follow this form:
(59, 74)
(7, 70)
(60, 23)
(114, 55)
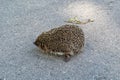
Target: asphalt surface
(21, 21)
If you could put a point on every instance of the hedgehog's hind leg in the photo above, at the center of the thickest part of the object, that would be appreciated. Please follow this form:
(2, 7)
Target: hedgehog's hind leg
(68, 56)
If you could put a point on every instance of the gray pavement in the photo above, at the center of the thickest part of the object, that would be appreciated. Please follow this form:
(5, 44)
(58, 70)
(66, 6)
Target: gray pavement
(21, 21)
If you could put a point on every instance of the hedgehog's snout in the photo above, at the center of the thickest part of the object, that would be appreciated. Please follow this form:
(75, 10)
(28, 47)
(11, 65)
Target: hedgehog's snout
(35, 43)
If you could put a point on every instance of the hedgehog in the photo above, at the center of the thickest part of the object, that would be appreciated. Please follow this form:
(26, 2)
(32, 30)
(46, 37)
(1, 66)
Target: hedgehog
(66, 40)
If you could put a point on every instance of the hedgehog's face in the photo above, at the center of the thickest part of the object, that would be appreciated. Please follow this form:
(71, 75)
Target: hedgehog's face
(40, 42)
(37, 42)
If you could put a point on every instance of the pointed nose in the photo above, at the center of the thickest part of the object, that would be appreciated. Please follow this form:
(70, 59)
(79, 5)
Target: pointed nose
(34, 43)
